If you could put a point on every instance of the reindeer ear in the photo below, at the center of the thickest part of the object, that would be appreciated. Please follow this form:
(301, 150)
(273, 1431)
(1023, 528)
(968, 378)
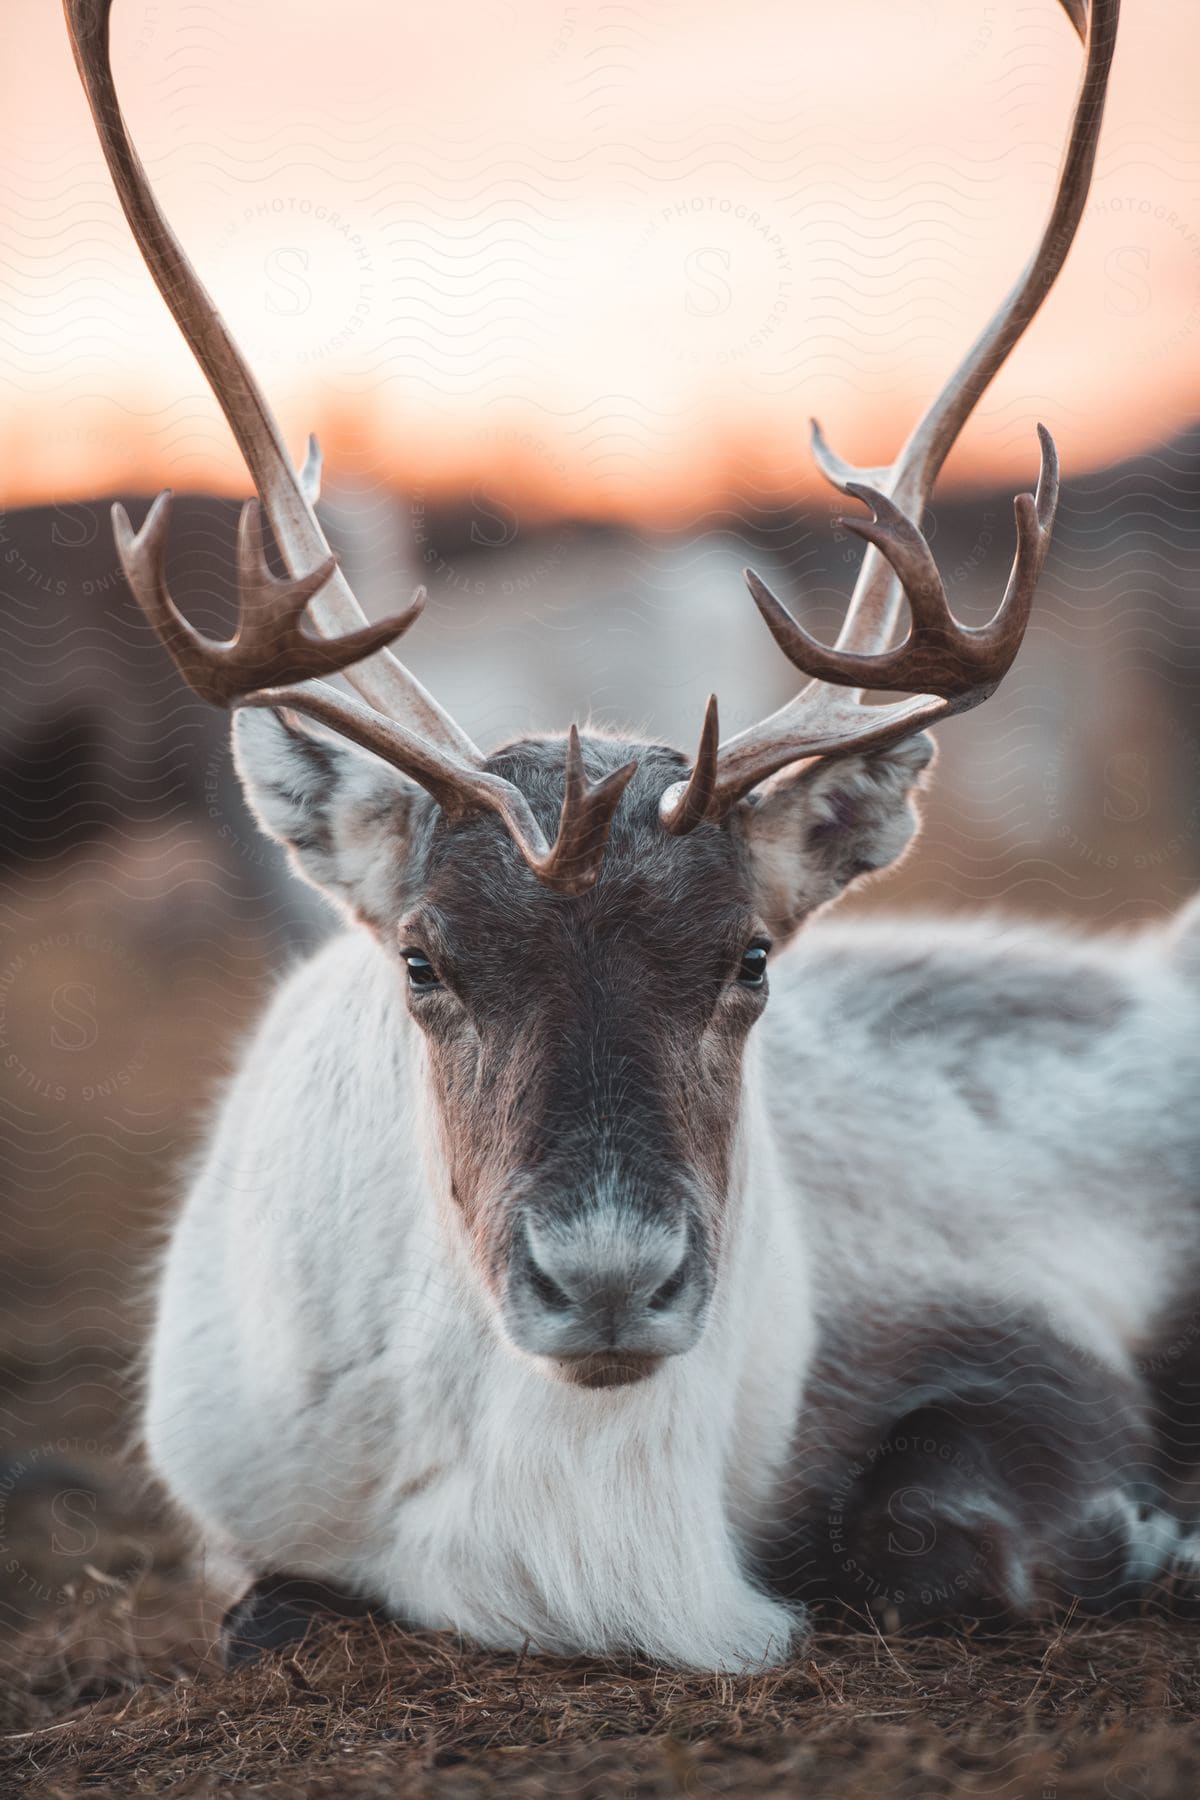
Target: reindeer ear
(811, 833)
(347, 819)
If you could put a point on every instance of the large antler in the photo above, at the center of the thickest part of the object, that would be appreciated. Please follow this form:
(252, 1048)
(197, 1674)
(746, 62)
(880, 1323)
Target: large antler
(400, 722)
(945, 667)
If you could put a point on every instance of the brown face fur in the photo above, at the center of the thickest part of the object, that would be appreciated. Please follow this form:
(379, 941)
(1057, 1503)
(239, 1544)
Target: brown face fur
(586, 1050)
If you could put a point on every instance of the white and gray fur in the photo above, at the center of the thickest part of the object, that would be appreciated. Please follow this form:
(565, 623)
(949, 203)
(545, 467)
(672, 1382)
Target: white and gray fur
(934, 1212)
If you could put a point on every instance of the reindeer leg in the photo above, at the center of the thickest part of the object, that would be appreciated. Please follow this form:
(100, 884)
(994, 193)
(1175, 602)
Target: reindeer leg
(991, 1521)
(961, 1467)
(277, 1611)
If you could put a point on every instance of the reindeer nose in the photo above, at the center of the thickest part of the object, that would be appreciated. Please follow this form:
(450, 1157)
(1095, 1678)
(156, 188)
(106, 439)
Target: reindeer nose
(608, 1292)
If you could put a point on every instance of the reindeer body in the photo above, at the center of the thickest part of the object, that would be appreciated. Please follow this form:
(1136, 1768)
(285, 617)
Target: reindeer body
(933, 1117)
(543, 1281)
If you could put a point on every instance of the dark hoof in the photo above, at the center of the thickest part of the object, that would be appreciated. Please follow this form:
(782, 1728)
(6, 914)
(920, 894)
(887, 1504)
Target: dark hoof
(277, 1611)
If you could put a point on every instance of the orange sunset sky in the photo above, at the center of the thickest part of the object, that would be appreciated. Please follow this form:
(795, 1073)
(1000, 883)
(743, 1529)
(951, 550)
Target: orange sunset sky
(610, 256)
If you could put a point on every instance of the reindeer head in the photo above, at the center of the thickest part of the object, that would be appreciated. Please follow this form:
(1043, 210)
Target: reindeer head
(582, 930)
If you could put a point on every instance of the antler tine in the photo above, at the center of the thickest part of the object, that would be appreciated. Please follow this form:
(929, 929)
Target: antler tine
(836, 470)
(288, 498)
(1077, 12)
(310, 472)
(685, 804)
(573, 862)
(1035, 515)
(947, 667)
(269, 647)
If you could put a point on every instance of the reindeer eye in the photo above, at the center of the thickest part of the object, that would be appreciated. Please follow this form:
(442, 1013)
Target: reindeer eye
(752, 971)
(421, 975)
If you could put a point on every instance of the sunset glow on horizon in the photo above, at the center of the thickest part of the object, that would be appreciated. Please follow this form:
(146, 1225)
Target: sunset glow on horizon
(609, 260)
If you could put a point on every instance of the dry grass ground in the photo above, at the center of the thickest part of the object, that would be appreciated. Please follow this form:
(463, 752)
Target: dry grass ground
(112, 1687)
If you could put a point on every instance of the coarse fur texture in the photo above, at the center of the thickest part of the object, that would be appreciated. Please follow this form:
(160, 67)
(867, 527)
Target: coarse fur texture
(580, 1299)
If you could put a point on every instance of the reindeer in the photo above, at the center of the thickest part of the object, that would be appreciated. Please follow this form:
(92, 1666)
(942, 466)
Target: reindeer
(598, 1250)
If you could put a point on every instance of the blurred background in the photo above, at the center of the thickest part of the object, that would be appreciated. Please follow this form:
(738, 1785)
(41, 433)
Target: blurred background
(559, 286)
